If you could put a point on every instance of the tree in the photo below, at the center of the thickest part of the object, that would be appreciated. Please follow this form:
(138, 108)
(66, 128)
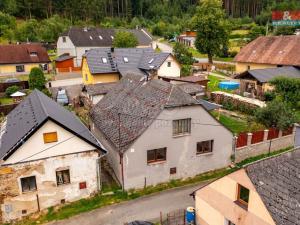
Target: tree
(288, 90)
(124, 39)
(7, 25)
(36, 79)
(277, 113)
(10, 90)
(212, 28)
(28, 31)
(257, 31)
(182, 54)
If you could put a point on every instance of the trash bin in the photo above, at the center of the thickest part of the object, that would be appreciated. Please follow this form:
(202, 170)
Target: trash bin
(190, 215)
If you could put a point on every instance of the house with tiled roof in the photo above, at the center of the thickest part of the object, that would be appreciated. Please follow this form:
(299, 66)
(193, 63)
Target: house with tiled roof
(269, 52)
(47, 157)
(155, 132)
(104, 65)
(262, 193)
(21, 58)
(78, 40)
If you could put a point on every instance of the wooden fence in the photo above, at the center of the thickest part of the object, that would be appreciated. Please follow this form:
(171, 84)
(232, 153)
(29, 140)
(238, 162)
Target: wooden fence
(68, 69)
(21, 84)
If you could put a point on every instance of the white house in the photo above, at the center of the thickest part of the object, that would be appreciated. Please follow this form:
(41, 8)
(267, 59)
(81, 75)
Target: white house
(78, 40)
(48, 157)
(155, 132)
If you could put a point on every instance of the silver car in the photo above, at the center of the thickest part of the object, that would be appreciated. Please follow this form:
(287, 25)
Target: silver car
(62, 97)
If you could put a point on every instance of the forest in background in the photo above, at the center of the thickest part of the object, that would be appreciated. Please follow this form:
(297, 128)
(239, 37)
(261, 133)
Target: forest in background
(44, 20)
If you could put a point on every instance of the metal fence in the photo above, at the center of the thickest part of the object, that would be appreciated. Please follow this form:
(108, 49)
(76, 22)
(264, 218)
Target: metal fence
(174, 218)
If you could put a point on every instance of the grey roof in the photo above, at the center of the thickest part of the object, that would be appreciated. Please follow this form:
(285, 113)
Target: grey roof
(265, 75)
(209, 106)
(138, 60)
(64, 57)
(138, 103)
(31, 114)
(99, 89)
(192, 88)
(277, 180)
(102, 37)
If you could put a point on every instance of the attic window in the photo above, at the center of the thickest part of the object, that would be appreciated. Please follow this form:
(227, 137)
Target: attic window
(104, 60)
(125, 59)
(101, 38)
(91, 37)
(33, 53)
(151, 61)
(50, 137)
(112, 37)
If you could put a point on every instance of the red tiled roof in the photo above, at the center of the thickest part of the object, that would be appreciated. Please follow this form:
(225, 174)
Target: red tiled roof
(11, 54)
(276, 50)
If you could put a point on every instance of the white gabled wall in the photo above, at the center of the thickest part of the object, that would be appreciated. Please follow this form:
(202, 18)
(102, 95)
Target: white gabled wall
(181, 151)
(65, 47)
(172, 71)
(36, 147)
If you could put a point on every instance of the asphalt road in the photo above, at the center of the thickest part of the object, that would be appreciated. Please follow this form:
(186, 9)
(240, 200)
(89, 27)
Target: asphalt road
(145, 208)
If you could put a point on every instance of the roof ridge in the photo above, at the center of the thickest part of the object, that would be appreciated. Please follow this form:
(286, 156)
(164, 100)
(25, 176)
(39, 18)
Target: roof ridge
(41, 102)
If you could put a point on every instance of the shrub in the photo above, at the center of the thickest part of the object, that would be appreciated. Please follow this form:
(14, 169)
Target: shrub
(186, 70)
(36, 79)
(124, 39)
(269, 96)
(10, 90)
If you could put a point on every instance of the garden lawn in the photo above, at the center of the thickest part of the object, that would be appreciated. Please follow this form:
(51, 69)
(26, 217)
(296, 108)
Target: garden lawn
(213, 83)
(24, 77)
(6, 101)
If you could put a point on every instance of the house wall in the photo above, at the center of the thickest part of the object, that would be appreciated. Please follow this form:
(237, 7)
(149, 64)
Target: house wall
(173, 71)
(82, 167)
(31, 149)
(242, 67)
(11, 68)
(66, 47)
(69, 63)
(181, 150)
(96, 78)
(96, 98)
(209, 211)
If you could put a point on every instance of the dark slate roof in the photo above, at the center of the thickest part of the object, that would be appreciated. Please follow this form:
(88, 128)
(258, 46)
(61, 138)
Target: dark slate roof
(138, 60)
(138, 102)
(102, 37)
(12, 54)
(99, 89)
(64, 57)
(209, 106)
(32, 113)
(265, 75)
(192, 88)
(277, 181)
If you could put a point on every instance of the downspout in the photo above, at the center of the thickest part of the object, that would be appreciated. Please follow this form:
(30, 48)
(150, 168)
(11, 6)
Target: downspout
(122, 170)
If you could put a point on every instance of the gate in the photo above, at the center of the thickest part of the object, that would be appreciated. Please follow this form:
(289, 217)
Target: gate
(174, 218)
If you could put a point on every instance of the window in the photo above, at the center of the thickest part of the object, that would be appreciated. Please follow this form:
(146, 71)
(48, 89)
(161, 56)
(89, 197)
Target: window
(182, 126)
(62, 177)
(205, 147)
(228, 222)
(125, 59)
(44, 66)
(173, 170)
(104, 60)
(169, 64)
(248, 67)
(33, 53)
(156, 155)
(64, 39)
(28, 184)
(20, 68)
(50, 137)
(243, 195)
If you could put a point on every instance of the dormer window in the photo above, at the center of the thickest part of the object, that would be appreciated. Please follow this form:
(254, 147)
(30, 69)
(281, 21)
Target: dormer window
(104, 60)
(100, 37)
(33, 54)
(91, 37)
(151, 61)
(125, 59)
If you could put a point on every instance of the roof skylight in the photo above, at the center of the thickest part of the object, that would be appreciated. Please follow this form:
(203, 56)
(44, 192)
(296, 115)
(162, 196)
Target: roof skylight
(151, 61)
(101, 38)
(125, 59)
(104, 60)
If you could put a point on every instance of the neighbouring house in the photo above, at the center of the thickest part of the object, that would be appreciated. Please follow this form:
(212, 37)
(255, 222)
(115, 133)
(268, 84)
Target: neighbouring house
(47, 157)
(65, 63)
(262, 193)
(95, 92)
(21, 58)
(269, 52)
(109, 65)
(255, 83)
(78, 40)
(187, 38)
(155, 132)
(199, 79)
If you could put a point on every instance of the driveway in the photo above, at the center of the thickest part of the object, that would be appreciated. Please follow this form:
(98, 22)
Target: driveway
(164, 47)
(66, 82)
(145, 208)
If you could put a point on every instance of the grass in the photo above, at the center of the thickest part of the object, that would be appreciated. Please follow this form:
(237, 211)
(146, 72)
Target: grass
(6, 100)
(213, 84)
(235, 125)
(240, 32)
(24, 77)
(85, 205)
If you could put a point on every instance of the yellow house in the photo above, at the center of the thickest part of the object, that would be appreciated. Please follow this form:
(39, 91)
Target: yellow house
(262, 193)
(104, 65)
(20, 59)
(269, 52)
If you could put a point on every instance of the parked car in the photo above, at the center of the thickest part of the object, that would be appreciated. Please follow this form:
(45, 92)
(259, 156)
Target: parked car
(62, 97)
(12, 80)
(140, 223)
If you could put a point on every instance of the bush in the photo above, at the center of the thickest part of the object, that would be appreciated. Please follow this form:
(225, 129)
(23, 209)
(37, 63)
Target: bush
(124, 39)
(36, 79)
(12, 89)
(186, 70)
(269, 96)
